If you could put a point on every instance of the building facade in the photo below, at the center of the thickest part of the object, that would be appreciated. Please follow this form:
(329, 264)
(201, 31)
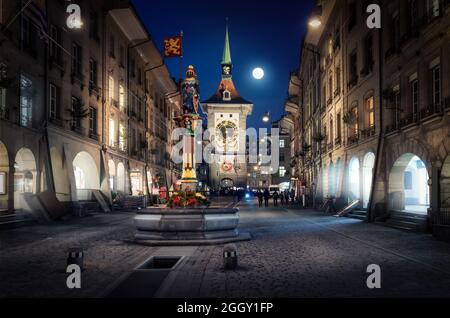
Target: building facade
(97, 105)
(227, 115)
(370, 107)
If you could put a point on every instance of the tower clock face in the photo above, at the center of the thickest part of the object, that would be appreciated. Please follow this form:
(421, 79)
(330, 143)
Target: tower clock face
(227, 135)
(226, 70)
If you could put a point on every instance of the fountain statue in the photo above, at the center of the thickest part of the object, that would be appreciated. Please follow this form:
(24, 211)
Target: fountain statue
(188, 218)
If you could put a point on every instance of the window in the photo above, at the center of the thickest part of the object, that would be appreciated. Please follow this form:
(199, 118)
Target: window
(282, 143)
(112, 93)
(92, 73)
(55, 45)
(112, 133)
(76, 120)
(433, 8)
(353, 68)
(112, 46)
(395, 32)
(436, 72)
(352, 15)
(93, 25)
(338, 80)
(331, 131)
(368, 54)
(414, 86)
(3, 109)
(122, 137)
(122, 98)
(370, 119)
(338, 126)
(133, 68)
(282, 172)
(29, 36)
(54, 101)
(354, 128)
(330, 86)
(92, 122)
(397, 102)
(414, 13)
(407, 180)
(26, 101)
(122, 56)
(76, 60)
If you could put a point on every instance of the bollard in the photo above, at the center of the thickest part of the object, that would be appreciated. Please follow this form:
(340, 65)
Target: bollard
(75, 256)
(230, 257)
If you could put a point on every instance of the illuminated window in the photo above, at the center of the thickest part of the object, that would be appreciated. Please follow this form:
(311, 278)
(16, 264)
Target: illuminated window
(111, 88)
(281, 143)
(370, 112)
(26, 101)
(122, 98)
(112, 133)
(282, 172)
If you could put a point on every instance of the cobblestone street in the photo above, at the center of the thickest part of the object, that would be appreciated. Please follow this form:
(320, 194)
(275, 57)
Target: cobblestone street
(292, 253)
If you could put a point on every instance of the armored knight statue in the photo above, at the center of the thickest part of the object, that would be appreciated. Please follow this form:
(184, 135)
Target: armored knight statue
(191, 92)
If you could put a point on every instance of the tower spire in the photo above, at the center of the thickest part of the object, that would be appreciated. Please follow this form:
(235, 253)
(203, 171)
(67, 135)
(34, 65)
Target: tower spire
(226, 58)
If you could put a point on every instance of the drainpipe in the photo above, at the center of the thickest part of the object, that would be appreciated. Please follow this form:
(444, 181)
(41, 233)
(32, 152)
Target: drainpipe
(370, 214)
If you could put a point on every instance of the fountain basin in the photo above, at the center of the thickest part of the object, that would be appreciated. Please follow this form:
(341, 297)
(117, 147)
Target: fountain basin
(166, 226)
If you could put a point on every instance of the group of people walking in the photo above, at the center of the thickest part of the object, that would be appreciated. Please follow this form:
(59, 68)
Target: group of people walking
(285, 197)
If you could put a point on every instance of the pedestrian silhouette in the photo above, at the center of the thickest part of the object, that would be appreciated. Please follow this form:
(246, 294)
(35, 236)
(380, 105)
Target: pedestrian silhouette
(260, 195)
(275, 198)
(266, 197)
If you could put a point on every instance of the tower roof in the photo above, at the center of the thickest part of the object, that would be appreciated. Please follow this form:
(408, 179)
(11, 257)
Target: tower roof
(226, 57)
(226, 84)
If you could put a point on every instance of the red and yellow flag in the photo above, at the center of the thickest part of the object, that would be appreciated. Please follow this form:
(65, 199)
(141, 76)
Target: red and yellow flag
(173, 46)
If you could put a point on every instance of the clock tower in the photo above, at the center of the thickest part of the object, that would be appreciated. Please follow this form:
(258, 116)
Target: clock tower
(227, 113)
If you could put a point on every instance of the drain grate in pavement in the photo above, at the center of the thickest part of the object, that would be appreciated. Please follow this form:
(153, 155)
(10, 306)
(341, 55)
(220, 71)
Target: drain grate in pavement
(161, 262)
(146, 279)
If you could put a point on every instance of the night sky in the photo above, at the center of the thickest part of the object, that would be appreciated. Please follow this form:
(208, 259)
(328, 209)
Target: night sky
(263, 34)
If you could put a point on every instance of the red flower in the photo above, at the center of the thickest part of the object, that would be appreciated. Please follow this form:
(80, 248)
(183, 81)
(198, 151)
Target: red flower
(191, 202)
(177, 200)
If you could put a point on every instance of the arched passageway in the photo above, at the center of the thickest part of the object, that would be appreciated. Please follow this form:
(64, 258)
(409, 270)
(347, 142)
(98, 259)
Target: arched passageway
(353, 180)
(86, 175)
(368, 168)
(25, 174)
(408, 185)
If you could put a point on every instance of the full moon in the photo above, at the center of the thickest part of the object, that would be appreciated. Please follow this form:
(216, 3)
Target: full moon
(258, 73)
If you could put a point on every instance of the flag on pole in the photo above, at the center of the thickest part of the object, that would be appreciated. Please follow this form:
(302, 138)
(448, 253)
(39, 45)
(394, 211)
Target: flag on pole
(173, 46)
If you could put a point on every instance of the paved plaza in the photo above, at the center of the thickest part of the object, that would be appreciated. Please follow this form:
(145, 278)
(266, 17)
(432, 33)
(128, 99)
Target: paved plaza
(293, 253)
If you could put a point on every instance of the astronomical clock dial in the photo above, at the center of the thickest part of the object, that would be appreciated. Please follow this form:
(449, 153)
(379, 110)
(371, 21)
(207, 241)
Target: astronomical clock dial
(227, 135)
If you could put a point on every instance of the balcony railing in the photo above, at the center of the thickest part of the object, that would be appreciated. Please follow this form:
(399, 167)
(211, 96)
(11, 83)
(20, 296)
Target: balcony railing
(429, 111)
(353, 81)
(329, 101)
(338, 141)
(368, 132)
(352, 140)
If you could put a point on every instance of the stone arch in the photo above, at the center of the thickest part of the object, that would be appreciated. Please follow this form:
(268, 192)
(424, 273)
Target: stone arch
(121, 177)
(445, 183)
(4, 170)
(367, 177)
(25, 176)
(112, 175)
(408, 188)
(87, 175)
(411, 146)
(354, 192)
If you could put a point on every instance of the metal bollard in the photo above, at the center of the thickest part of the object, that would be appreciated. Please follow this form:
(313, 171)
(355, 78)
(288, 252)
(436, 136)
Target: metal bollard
(75, 256)
(230, 257)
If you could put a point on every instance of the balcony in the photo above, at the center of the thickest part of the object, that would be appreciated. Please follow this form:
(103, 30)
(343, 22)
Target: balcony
(367, 69)
(337, 92)
(408, 120)
(353, 82)
(352, 140)
(94, 90)
(368, 132)
(330, 146)
(430, 111)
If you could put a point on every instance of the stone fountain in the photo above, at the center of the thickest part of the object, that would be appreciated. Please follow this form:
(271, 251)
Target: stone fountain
(188, 219)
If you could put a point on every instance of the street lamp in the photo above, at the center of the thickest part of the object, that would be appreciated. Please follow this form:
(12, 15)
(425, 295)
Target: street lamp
(315, 20)
(266, 117)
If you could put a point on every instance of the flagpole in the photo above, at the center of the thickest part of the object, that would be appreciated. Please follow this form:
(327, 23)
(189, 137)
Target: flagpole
(181, 70)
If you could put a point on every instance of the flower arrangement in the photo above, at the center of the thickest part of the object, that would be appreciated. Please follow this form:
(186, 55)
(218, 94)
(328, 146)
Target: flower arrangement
(189, 199)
